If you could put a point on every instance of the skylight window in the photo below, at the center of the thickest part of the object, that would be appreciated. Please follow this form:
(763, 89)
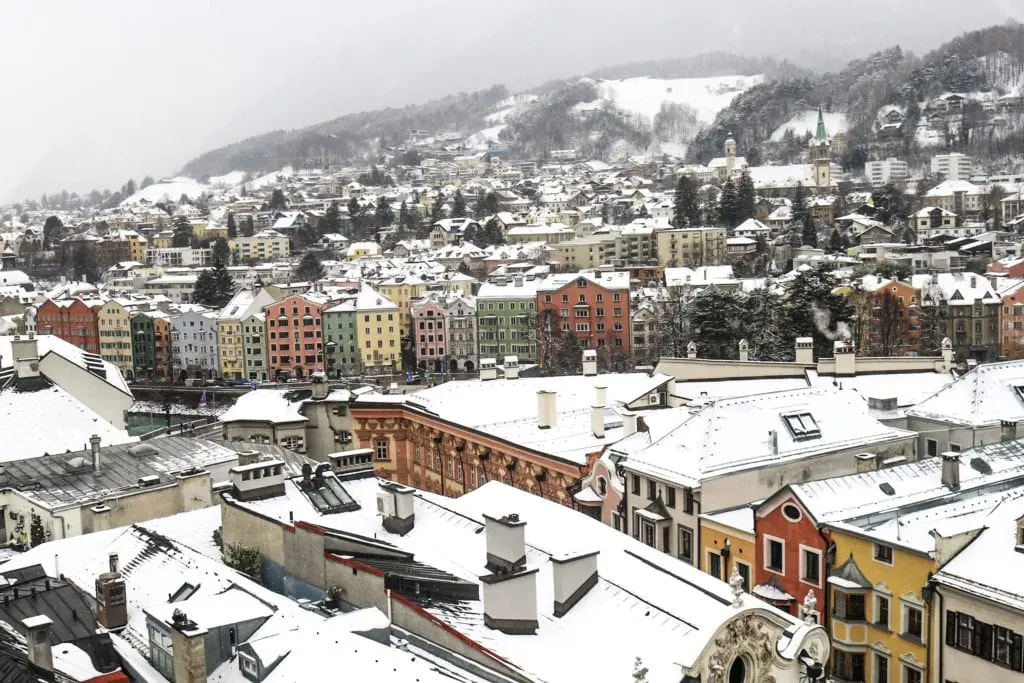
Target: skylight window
(802, 426)
(1019, 388)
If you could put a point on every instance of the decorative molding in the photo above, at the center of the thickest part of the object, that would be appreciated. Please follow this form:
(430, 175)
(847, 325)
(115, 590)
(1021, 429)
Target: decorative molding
(880, 587)
(744, 637)
(912, 599)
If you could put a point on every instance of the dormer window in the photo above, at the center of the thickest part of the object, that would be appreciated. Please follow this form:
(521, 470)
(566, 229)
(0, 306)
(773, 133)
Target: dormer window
(802, 426)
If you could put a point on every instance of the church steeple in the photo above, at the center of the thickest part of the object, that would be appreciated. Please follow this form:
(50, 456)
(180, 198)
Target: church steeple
(821, 155)
(821, 135)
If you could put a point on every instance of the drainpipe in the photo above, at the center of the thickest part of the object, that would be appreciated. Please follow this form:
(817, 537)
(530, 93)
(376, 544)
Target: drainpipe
(942, 635)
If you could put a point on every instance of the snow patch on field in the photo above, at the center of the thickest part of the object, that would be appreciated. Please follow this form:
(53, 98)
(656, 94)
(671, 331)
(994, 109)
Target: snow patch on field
(232, 179)
(481, 138)
(171, 189)
(807, 122)
(644, 96)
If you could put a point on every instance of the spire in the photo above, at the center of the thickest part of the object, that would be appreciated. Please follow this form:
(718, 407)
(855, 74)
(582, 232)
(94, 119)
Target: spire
(821, 135)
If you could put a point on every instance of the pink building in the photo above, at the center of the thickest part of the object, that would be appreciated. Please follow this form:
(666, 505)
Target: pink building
(295, 344)
(428, 334)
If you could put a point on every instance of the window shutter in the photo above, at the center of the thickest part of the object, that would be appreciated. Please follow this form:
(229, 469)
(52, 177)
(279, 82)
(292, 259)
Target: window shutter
(983, 640)
(1017, 653)
(951, 628)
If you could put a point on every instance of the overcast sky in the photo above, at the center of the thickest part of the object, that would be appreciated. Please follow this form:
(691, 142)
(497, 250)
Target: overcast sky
(99, 92)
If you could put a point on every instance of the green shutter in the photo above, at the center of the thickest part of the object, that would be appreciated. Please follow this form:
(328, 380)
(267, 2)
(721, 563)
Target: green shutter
(951, 628)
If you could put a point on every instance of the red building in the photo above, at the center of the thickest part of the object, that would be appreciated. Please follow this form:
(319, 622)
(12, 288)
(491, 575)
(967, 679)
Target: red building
(792, 554)
(593, 305)
(294, 337)
(72, 320)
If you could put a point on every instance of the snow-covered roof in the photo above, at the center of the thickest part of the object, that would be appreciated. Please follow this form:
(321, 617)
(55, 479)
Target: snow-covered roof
(699, 277)
(949, 187)
(982, 397)
(958, 289)
(605, 278)
(274, 406)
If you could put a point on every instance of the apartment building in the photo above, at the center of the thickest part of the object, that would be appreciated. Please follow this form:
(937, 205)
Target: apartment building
(952, 166)
(230, 333)
(295, 336)
(378, 331)
(265, 245)
(691, 247)
(593, 305)
(506, 322)
(115, 330)
(886, 171)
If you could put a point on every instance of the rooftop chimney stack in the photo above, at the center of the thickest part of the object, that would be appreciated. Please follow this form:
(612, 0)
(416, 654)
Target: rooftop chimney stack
(395, 503)
(488, 369)
(574, 575)
(691, 350)
(845, 358)
(1008, 430)
(744, 351)
(951, 470)
(248, 457)
(546, 415)
(510, 587)
(37, 641)
(511, 367)
(26, 356)
(589, 363)
(321, 389)
(773, 441)
(628, 424)
(111, 597)
(94, 445)
(805, 351)
(947, 354)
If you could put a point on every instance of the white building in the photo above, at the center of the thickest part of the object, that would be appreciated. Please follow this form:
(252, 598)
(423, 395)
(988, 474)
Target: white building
(194, 343)
(890, 170)
(952, 166)
(178, 257)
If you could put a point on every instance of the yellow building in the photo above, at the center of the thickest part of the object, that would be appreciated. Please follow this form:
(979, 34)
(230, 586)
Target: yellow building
(378, 331)
(587, 253)
(231, 340)
(265, 245)
(691, 247)
(137, 244)
(163, 240)
(878, 609)
(727, 540)
(402, 290)
(115, 331)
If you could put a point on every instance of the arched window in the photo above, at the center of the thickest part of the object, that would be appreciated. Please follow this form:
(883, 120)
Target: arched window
(602, 486)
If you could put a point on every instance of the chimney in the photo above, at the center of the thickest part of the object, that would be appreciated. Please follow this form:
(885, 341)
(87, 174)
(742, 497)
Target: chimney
(805, 351)
(510, 587)
(37, 641)
(974, 281)
(845, 358)
(546, 409)
(111, 602)
(589, 363)
(597, 421)
(395, 503)
(744, 351)
(26, 356)
(1007, 430)
(947, 354)
(511, 367)
(628, 424)
(518, 281)
(951, 470)
(112, 560)
(691, 350)
(773, 441)
(866, 462)
(94, 444)
(248, 457)
(488, 369)
(321, 389)
(260, 480)
(601, 396)
(188, 645)
(574, 575)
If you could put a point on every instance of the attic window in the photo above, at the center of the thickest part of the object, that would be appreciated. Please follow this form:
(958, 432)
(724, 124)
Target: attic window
(802, 426)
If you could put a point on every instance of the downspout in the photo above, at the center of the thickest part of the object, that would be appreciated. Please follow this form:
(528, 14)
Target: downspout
(942, 626)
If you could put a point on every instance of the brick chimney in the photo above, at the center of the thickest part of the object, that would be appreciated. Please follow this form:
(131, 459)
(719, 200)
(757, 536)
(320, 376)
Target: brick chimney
(111, 597)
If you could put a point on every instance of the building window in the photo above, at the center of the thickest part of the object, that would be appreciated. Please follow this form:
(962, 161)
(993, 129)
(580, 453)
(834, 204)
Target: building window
(913, 622)
(774, 555)
(1004, 653)
(881, 668)
(911, 674)
(848, 666)
(686, 544)
(648, 530)
(652, 489)
(810, 570)
(932, 447)
(715, 564)
(883, 553)
(882, 612)
(636, 485)
(670, 496)
(744, 570)
(382, 449)
(688, 501)
(848, 606)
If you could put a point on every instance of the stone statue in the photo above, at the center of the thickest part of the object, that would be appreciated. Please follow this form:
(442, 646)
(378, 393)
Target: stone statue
(30, 320)
(736, 582)
(808, 609)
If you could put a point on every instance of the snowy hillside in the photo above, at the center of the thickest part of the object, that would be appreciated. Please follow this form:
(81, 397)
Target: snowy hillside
(806, 122)
(706, 96)
(171, 188)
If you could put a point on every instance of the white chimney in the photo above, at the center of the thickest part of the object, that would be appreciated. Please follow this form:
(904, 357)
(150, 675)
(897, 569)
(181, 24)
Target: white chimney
(510, 587)
(597, 421)
(546, 409)
(26, 356)
(947, 354)
(1008, 430)
(845, 358)
(951, 470)
(37, 641)
(691, 350)
(744, 351)
(628, 423)
(805, 351)
(94, 444)
(399, 516)
(574, 575)
(601, 396)
(511, 367)
(488, 369)
(589, 363)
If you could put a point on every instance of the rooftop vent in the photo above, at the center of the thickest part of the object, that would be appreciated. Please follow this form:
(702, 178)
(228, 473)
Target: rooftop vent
(980, 466)
(142, 450)
(887, 488)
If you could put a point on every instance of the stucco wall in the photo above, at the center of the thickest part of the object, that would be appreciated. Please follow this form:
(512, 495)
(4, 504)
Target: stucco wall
(103, 399)
(963, 667)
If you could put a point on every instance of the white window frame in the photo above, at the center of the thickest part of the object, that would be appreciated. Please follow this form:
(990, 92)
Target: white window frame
(247, 663)
(750, 573)
(768, 555)
(875, 656)
(874, 611)
(377, 450)
(803, 564)
(874, 554)
(904, 666)
(905, 608)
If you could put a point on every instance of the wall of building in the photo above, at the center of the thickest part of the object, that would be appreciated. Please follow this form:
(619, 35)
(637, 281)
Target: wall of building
(742, 549)
(960, 666)
(770, 523)
(102, 398)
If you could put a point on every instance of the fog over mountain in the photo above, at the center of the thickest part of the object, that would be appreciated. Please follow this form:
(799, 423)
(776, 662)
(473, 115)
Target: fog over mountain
(96, 93)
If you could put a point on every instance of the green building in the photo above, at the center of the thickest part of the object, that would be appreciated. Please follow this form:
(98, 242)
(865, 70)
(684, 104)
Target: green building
(506, 318)
(144, 346)
(341, 350)
(254, 346)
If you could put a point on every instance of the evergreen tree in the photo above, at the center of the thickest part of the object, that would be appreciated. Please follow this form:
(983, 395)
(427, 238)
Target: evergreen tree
(384, 215)
(746, 197)
(412, 219)
(715, 317)
(248, 227)
(277, 200)
(728, 206)
(214, 287)
(762, 325)
(355, 216)
(52, 230)
(835, 241)
(437, 210)
(492, 234)
(232, 227)
(182, 232)
(36, 534)
(799, 204)
(403, 217)
(812, 309)
(146, 182)
(486, 206)
(309, 268)
(221, 250)
(459, 205)
(333, 217)
(687, 205)
(85, 263)
(810, 231)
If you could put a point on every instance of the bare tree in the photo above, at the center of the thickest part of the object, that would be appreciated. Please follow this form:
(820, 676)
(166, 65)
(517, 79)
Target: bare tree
(888, 324)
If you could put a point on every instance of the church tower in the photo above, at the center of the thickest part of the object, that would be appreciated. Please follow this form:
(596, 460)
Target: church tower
(821, 155)
(730, 156)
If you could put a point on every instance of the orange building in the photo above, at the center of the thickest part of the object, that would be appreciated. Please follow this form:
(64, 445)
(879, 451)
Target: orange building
(890, 310)
(1011, 333)
(593, 305)
(72, 320)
